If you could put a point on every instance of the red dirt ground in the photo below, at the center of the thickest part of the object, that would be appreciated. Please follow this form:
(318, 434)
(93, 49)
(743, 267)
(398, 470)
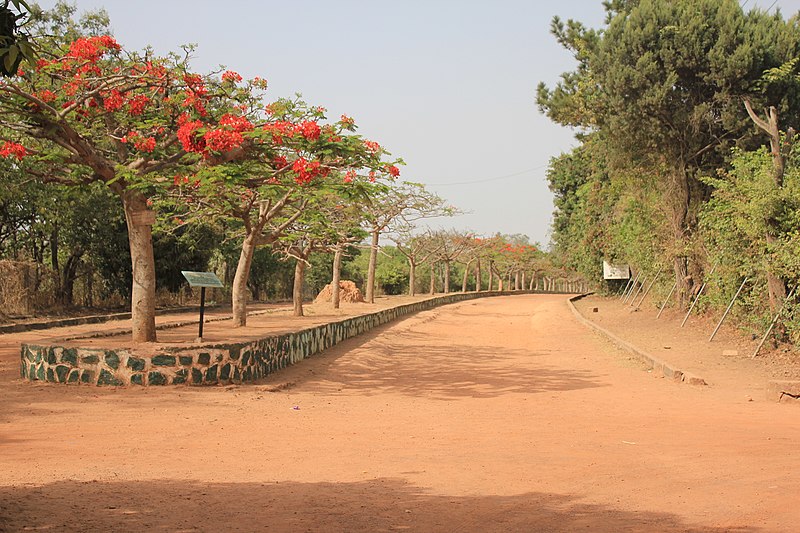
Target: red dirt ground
(501, 414)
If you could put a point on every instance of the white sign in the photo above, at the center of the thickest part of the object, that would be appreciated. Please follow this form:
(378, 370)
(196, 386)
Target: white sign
(616, 271)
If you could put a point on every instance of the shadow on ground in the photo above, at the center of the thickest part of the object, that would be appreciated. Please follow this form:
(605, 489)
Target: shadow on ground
(420, 368)
(377, 505)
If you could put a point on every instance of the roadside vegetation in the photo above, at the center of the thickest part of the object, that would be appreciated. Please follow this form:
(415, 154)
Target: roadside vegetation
(687, 158)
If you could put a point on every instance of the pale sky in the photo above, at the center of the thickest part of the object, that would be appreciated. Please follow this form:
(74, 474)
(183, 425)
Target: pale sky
(448, 85)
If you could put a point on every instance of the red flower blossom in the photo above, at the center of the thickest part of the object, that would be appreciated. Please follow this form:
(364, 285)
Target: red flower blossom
(347, 121)
(46, 95)
(137, 104)
(349, 176)
(190, 139)
(195, 83)
(372, 146)
(113, 101)
(305, 171)
(236, 123)
(231, 76)
(393, 170)
(193, 100)
(279, 161)
(222, 140)
(13, 149)
(145, 144)
(308, 129)
(92, 48)
(279, 129)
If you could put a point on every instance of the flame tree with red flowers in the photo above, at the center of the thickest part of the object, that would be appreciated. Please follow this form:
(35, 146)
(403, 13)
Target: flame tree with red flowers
(279, 161)
(95, 113)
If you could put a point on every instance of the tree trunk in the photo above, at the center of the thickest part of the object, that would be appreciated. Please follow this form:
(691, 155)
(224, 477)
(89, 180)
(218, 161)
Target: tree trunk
(90, 287)
(69, 276)
(678, 201)
(447, 277)
(478, 276)
(373, 263)
(412, 277)
(297, 288)
(775, 285)
(433, 278)
(337, 271)
(143, 290)
(239, 287)
(522, 285)
(58, 294)
(466, 276)
(516, 280)
(491, 275)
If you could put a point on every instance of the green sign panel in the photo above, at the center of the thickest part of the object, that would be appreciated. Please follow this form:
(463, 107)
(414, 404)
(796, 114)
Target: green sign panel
(202, 279)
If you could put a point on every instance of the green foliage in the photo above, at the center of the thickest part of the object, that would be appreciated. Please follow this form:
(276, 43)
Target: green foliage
(735, 223)
(14, 44)
(270, 275)
(391, 273)
(657, 95)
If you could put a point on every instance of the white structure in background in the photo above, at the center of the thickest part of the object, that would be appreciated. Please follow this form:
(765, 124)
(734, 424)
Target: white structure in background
(616, 271)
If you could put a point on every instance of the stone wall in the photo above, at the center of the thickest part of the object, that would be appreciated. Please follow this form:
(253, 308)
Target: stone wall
(213, 364)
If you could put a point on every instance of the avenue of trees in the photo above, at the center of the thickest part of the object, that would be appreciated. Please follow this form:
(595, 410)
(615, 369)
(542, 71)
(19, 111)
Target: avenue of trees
(687, 161)
(119, 169)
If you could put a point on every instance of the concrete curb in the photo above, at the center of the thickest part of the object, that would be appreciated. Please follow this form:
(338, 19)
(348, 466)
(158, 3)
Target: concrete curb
(783, 391)
(658, 366)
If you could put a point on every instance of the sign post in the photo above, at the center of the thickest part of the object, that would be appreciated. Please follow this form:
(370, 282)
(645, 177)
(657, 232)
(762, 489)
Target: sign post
(202, 280)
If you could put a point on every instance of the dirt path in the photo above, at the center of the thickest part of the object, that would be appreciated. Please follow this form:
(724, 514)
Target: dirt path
(501, 414)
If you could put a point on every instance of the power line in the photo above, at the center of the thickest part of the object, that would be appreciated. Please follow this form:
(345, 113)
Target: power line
(485, 180)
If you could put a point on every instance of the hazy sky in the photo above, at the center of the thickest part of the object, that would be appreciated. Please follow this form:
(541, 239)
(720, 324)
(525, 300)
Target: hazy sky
(448, 85)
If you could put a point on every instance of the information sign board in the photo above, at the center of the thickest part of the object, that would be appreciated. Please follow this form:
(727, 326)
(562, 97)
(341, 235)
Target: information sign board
(616, 271)
(202, 279)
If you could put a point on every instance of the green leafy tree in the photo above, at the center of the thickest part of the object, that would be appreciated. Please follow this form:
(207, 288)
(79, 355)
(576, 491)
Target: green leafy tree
(663, 84)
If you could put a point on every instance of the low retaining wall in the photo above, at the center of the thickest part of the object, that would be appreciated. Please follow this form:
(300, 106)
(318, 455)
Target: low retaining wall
(213, 364)
(658, 366)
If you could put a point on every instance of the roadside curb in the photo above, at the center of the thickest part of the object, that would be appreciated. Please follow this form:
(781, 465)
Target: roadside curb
(658, 366)
(783, 391)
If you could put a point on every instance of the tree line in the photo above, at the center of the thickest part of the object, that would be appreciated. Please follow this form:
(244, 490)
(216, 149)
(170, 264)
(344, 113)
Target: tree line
(687, 158)
(121, 168)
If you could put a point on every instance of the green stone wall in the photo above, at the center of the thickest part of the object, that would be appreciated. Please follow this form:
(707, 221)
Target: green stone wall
(209, 365)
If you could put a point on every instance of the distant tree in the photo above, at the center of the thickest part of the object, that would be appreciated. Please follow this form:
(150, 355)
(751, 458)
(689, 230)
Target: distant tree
(397, 205)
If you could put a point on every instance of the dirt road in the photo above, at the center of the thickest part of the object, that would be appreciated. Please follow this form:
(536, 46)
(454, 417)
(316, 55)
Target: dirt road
(495, 415)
